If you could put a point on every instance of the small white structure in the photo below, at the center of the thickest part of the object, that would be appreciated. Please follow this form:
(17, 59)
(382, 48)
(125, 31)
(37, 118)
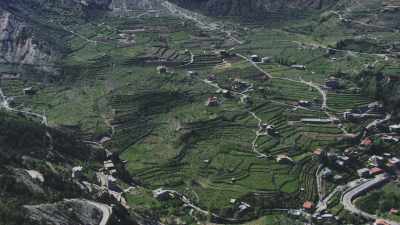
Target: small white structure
(192, 73)
(29, 91)
(343, 158)
(298, 67)
(340, 163)
(108, 165)
(375, 160)
(245, 99)
(283, 159)
(77, 171)
(162, 69)
(243, 206)
(326, 172)
(394, 128)
(111, 179)
(255, 58)
(304, 103)
(394, 161)
(161, 194)
(266, 59)
(317, 120)
(338, 177)
(36, 175)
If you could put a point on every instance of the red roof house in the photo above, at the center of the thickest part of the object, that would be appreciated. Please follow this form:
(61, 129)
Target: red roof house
(308, 205)
(375, 171)
(366, 142)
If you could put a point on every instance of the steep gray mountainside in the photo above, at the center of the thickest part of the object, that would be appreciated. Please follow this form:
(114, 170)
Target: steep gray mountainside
(27, 34)
(35, 178)
(18, 45)
(134, 4)
(251, 8)
(74, 211)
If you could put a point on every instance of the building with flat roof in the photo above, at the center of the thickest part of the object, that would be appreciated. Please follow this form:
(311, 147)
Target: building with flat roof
(283, 159)
(298, 67)
(29, 91)
(395, 128)
(162, 69)
(317, 120)
(161, 194)
(363, 173)
(255, 58)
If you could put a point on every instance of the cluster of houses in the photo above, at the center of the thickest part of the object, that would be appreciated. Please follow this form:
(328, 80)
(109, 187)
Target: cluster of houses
(336, 160)
(318, 218)
(238, 85)
(371, 111)
(127, 37)
(379, 164)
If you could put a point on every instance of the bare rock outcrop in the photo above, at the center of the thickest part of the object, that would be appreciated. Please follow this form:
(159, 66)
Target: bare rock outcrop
(67, 212)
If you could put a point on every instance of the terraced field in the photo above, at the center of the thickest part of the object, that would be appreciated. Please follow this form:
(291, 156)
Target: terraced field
(160, 123)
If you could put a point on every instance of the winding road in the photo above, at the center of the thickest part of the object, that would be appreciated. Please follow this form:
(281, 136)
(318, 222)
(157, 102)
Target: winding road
(4, 104)
(360, 188)
(106, 210)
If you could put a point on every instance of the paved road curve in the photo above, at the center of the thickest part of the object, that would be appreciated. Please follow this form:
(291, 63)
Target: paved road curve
(354, 192)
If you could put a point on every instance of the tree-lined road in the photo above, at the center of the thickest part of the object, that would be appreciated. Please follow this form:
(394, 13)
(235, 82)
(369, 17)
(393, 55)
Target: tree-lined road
(353, 192)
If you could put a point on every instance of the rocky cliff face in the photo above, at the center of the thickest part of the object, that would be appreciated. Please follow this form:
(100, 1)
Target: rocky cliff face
(23, 26)
(18, 45)
(74, 211)
(251, 7)
(134, 4)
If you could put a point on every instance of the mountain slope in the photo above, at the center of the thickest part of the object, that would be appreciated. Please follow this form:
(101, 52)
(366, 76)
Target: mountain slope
(252, 8)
